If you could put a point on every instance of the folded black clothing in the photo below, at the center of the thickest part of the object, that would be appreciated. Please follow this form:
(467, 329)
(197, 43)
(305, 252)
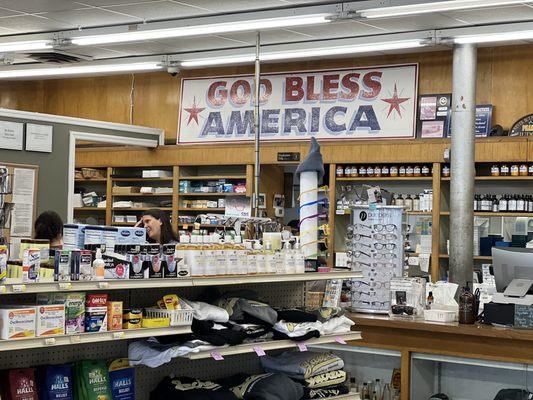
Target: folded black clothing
(248, 311)
(204, 330)
(309, 335)
(251, 331)
(326, 313)
(190, 389)
(269, 386)
(265, 338)
(296, 315)
(325, 392)
(323, 380)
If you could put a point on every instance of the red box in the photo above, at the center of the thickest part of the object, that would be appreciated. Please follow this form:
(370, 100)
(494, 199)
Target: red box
(96, 300)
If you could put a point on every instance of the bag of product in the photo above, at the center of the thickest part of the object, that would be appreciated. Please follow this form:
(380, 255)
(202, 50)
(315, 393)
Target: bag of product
(22, 384)
(122, 378)
(92, 381)
(55, 382)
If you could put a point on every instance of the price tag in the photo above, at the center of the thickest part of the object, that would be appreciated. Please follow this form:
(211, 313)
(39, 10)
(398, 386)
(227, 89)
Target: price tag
(340, 340)
(217, 356)
(103, 285)
(65, 285)
(185, 226)
(339, 212)
(197, 226)
(75, 339)
(259, 351)
(50, 341)
(302, 346)
(3, 289)
(18, 288)
(118, 335)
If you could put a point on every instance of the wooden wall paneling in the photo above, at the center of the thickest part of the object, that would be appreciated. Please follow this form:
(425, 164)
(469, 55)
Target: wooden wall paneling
(405, 370)
(271, 183)
(435, 224)
(331, 214)
(530, 149)
(501, 149)
(22, 95)
(175, 196)
(250, 179)
(109, 197)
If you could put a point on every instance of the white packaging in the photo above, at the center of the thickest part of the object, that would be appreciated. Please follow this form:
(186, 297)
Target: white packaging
(50, 320)
(132, 219)
(93, 235)
(182, 267)
(17, 322)
(109, 237)
(130, 236)
(220, 262)
(119, 218)
(232, 262)
(210, 262)
(156, 173)
(73, 236)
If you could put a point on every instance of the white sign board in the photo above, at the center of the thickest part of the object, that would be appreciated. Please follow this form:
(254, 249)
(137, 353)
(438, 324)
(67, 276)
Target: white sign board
(238, 207)
(39, 138)
(11, 135)
(357, 103)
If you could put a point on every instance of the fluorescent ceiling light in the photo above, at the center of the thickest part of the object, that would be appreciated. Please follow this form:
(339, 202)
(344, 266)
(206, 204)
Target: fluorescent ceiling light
(78, 70)
(25, 46)
(438, 6)
(197, 30)
(494, 37)
(298, 54)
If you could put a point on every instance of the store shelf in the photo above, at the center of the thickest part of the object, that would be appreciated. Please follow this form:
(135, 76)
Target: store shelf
(123, 223)
(498, 178)
(418, 213)
(98, 337)
(12, 288)
(142, 179)
(90, 180)
(141, 208)
(210, 194)
(476, 258)
(495, 214)
(349, 396)
(274, 345)
(201, 225)
(90, 209)
(206, 210)
(143, 195)
(210, 177)
(385, 178)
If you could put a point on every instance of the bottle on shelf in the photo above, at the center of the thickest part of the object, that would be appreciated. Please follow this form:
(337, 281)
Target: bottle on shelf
(362, 170)
(299, 258)
(504, 170)
(374, 395)
(377, 388)
(409, 171)
(394, 171)
(417, 171)
(98, 266)
(400, 200)
(340, 171)
(466, 306)
(260, 255)
(515, 170)
(402, 171)
(370, 171)
(386, 395)
(523, 170)
(520, 204)
(377, 171)
(446, 171)
(270, 260)
(364, 392)
(385, 171)
(288, 258)
(416, 203)
(495, 170)
(429, 301)
(502, 206)
(425, 170)
(347, 171)
(495, 204)
(530, 170)
(408, 203)
(511, 203)
(354, 173)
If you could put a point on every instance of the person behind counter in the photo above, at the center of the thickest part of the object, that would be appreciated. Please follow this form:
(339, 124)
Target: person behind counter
(158, 227)
(49, 226)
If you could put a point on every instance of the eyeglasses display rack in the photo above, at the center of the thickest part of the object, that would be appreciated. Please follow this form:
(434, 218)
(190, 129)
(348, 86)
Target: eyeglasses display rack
(374, 240)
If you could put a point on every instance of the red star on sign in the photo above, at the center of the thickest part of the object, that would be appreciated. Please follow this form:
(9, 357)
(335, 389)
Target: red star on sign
(395, 102)
(194, 111)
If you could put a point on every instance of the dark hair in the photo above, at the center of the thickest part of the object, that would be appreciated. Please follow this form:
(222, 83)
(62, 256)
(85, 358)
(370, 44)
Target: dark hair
(49, 226)
(167, 233)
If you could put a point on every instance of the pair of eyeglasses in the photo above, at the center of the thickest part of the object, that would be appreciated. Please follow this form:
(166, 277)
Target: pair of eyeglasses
(373, 272)
(358, 236)
(358, 284)
(319, 215)
(357, 245)
(360, 293)
(359, 226)
(386, 227)
(358, 264)
(387, 256)
(357, 254)
(385, 236)
(388, 246)
(402, 309)
(384, 265)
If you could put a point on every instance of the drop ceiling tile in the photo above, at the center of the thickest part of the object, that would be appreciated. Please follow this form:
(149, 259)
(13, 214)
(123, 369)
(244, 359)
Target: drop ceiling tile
(91, 17)
(112, 3)
(414, 23)
(340, 29)
(267, 37)
(158, 10)
(218, 6)
(35, 6)
(5, 12)
(30, 23)
(494, 15)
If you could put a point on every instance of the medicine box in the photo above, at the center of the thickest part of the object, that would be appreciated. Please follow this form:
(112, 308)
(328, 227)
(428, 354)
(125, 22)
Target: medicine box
(114, 315)
(93, 235)
(73, 236)
(109, 237)
(17, 322)
(50, 320)
(74, 313)
(96, 319)
(31, 264)
(131, 236)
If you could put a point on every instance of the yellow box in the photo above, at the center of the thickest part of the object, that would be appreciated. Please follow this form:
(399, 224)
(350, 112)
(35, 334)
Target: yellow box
(114, 315)
(155, 322)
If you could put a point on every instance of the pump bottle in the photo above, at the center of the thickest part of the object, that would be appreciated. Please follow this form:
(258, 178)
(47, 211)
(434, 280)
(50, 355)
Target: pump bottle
(98, 266)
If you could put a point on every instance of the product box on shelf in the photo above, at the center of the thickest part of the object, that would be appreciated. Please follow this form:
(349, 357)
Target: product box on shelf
(96, 312)
(114, 315)
(73, 236)
(50, 320)
(168, 261)
(17, 322)
(85, 265)
(31, 264)
(93, 235)
(74, 313)
(127, 235)
(153, 258)
(19, 384)
(62, 265)
(132, 318)
(116, 266)
(133, 256)
(3, 262)
(109, 238)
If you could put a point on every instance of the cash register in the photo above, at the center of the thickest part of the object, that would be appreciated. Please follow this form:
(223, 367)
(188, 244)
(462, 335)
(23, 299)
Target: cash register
(513, 273)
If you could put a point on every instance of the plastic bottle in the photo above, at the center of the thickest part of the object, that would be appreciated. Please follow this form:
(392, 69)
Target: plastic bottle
(251, 258)
(377, 388)
(430, 301)
(299, 258)
(386, 395)
(260, 257)
(98, 266)
(466, 306)
(288, 258)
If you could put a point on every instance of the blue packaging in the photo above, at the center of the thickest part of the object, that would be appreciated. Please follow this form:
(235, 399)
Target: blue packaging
(122, 379)
(131, 236)
(55, 382)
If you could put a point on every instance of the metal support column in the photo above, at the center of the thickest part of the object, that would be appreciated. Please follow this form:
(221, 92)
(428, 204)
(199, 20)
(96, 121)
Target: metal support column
(462, 163)
(257, 90)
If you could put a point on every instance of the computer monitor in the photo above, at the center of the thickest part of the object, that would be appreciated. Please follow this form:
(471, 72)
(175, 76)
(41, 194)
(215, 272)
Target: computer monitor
(512, 263)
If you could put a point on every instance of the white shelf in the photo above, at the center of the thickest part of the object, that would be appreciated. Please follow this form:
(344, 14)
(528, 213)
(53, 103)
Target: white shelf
(97, 337)
(349, 396)
(273, 345)
(12, 288)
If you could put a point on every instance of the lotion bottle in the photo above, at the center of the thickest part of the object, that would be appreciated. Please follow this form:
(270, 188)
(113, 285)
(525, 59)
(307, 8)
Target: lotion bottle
(98, 266)
(299, 258)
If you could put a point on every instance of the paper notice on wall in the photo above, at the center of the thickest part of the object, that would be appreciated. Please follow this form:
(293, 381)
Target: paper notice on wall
(22, 220)
(23, 186)
(424, 262)
(39, 138)
(238, 207)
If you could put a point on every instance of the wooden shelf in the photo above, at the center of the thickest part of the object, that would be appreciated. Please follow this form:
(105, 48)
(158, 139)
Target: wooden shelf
(498, 178)
(121, 284)
(87, 209)
(90, 180)
(386, 178)
(418, 213)
(210, 177)
(211, 194)
(123, 223)
(95, 337)
(476, 258)
(142, 179)
(495, 214)
(143, 195)
(141, 208)
(202, 225)
(274, 345)
(206, 210)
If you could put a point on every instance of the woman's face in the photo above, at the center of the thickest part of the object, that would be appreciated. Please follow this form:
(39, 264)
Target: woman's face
(153, 227)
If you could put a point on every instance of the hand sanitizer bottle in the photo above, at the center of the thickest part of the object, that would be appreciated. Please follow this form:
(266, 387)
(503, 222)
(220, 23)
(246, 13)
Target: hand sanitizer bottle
(260, 258)
(299, 258)
(270, 258)
(98, 266)
(289, 259)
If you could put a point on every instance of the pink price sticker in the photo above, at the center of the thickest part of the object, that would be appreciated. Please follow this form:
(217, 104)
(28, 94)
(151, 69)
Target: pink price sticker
(340, 340)
(259, 351)
(302, 346)
(217, 356)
